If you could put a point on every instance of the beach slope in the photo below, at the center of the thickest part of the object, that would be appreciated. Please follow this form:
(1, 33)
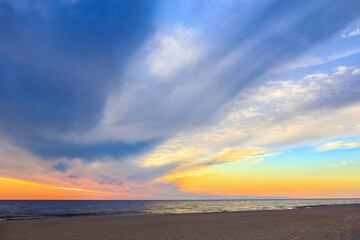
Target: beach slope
(322, 222)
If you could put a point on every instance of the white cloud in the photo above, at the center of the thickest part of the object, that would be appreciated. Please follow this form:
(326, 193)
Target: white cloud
(351, 144)
(330, 146)
(339, 144)
(172, 50)
(355, 32)
(356, 71)
(316, 76)
(341, 70)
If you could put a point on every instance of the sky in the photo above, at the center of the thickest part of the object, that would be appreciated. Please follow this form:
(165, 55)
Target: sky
(179, 99)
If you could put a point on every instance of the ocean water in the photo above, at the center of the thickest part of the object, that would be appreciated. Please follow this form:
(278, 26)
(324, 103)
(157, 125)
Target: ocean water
(34, 209)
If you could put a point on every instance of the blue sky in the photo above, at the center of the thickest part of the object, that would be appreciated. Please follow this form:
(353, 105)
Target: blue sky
(148, 93)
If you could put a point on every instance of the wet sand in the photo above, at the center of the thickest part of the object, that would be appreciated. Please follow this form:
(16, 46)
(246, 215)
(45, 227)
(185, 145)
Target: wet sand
(322, 222)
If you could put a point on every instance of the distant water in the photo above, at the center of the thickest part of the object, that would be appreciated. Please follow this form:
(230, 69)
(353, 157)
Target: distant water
(33, 209)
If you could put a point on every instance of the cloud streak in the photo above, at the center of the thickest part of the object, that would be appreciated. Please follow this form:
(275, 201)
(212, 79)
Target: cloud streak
(339, 144)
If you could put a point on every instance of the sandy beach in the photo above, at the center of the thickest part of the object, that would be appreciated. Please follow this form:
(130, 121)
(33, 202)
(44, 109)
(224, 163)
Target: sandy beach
(321, 222)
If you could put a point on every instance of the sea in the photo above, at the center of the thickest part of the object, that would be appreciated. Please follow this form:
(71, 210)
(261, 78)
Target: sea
(37, 209)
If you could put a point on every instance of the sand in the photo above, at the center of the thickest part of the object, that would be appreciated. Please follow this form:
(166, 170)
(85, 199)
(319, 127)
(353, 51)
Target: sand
(322, 222)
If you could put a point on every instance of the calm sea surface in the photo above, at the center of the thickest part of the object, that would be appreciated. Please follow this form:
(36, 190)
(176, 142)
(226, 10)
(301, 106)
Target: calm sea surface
(21, 209)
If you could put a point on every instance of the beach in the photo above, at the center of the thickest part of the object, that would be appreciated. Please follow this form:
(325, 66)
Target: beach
(320, 222)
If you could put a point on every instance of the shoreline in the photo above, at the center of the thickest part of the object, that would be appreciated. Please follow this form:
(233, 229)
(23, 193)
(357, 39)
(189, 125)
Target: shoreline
(81, 216)
(339, 221)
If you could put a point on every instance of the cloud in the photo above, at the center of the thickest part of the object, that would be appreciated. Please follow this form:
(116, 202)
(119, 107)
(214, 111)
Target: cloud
(341, 70)
(59, 61)
(186, 159)
(261, 119)
(183, 157)
(90, 150)
(61, 166)
(339, 144)
(277, 114)
(306, 61)
(234, 154)
(356, 71)
(316, 76)
(260, 160)
(189, 98)
(351, 144)
(169, 52)
(343, 163)
(74, 80)
(356, 32)
(331, 146)
(103, 176)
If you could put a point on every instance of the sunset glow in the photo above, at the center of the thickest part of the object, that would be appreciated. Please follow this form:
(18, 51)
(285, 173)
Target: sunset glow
(179, 99)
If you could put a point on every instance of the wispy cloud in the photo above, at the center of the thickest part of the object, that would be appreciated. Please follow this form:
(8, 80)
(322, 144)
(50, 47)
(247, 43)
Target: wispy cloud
(356, 71)
(339, 144)
(260, 160)
(189, 163)
(354, 33)
(344, 163)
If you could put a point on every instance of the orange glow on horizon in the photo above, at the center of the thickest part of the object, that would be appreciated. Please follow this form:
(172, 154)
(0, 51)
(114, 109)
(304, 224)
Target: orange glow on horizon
(16, 189)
